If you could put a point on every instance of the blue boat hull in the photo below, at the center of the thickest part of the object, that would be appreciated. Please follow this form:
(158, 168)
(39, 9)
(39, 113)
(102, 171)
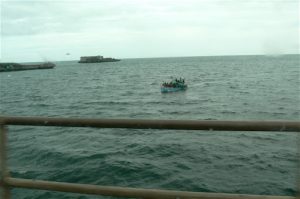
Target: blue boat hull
(172, 89)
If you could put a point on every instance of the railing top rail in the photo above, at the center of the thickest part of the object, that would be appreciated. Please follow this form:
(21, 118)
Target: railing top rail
(128, 192)
(219, 125)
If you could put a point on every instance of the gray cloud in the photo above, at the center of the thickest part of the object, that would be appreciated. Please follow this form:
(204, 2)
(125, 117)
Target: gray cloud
(205, 27)
(44, 17)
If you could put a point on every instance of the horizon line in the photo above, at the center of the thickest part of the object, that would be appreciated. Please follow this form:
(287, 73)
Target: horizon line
(184, 56)
(214, 55)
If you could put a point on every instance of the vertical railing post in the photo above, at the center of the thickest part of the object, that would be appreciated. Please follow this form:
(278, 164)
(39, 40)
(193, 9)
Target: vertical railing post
(3, 161)
(298, 166)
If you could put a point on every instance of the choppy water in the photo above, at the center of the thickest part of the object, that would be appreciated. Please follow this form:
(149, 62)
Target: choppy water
(226, 88)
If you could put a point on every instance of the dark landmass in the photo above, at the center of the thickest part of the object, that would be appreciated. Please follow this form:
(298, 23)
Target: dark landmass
(96, 59)
(5, 67)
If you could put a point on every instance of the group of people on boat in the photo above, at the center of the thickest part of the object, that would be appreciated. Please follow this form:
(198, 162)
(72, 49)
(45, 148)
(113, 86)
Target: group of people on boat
(174, 83)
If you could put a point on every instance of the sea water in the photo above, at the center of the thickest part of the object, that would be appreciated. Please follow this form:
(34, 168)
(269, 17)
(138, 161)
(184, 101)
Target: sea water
(219, 88)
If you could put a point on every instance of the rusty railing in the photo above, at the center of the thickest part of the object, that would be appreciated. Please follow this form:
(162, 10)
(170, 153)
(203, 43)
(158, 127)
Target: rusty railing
(7, 182)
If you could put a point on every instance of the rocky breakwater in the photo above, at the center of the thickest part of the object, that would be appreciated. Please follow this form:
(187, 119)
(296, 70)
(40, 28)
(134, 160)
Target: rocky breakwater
(5, 67)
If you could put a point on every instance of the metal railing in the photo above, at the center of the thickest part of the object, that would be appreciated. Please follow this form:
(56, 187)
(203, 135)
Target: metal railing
(7, 182)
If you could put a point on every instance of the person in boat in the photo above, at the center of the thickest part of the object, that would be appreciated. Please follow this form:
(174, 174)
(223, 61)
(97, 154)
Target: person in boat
(181, 80)
(166, 84)
(178, 82)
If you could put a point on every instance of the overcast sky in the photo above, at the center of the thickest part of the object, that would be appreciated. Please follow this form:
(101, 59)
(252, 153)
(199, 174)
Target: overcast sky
(48, 30)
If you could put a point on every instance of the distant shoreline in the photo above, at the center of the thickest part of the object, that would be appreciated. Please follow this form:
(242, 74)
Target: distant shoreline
(265, 55)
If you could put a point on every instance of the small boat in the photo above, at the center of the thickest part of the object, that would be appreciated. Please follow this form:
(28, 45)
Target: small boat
(172, 89)
(173, 86)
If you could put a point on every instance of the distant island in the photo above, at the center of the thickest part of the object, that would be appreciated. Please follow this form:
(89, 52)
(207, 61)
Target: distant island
(6, 67)
(96, 59)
